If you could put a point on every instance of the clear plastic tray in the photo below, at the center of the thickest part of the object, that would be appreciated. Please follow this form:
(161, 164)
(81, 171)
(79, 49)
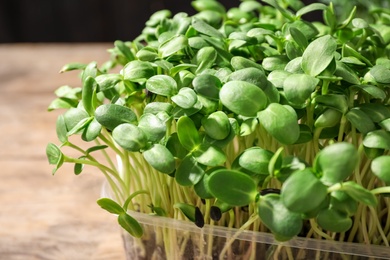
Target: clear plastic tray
(167, 238)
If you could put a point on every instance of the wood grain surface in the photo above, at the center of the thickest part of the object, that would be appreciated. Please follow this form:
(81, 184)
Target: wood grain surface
(44, 216)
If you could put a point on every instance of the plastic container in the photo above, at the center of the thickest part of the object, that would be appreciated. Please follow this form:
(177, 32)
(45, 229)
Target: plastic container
(171, 239)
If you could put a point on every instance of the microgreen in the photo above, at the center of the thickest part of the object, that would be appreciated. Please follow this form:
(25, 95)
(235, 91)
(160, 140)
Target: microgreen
(240, 116)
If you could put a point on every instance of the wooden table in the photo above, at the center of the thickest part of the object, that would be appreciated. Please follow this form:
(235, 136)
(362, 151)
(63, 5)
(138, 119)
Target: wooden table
(44, 216)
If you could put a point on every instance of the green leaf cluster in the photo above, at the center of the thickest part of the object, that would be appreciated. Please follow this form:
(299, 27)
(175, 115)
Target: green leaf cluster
(251, 107)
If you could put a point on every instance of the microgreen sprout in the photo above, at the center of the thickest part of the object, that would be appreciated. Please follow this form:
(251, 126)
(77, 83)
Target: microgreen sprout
(249, 108)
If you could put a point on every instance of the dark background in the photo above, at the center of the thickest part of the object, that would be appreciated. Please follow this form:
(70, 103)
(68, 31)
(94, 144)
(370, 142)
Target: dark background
(82, 20)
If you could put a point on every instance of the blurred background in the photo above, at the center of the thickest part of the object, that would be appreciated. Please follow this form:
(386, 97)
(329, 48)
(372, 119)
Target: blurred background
(83, 20)
(106, 20)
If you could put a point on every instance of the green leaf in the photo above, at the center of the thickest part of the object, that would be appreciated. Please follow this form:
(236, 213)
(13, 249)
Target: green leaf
(341, 201)
(89, 71)
(87, 95)
(286, 13)
(348, 20)
(202, 5)
(187, 133)
(130, 224)
(216, 211)
(154, 128)
(112, 115)
(156, 107)
(232, 187)
(377, 139)
(178, 112)
(205, 28)
(280, 122)
(207, 85)
(124, 50)
(294, 66)
(54, 156)
(335, 101)
(110, 205)
(205, 59)
(380, 166)
(299, 87)
(53, 153)
(360, 23)
(310, 8)
(290, 164)
(239, 63)
(334, 220)
(305, 134)
(359, 193)
(242, 98)
(184, 79)
(349, 51)
(224, 57)
(189, 172)
(298, 37)
(95, 148)
(248, 126)
(237, 15)
(255, 160)
(277, 77)
(175, 147)
(293, 51)
(73, 66)
(360, 120)
(92, 131)
(209, 155)
(160, 158)
(186, 98)
(376, 111)
(345, 72)
(371, 90)
(108, 81)
(129, 137)
(276, 62)
(234, 130)
(381, 74)
(330, 17)
(73, 117)
(158, 16)
(250, 6)
(187, 210)
(318, 55)
(147, 53)
(162, 85)
(350, 60)
(61, 129)
(80, 126)
(201, 187)
(173, 45)
(165, 65)
(78, 167)
(329, 118)
(305, 27)
(252, 75)
(302, 192)
(283, 223)
(216, 125)
(336, 162)
(138, 71)
(385, 124)
(64, 103)
(191, 212)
